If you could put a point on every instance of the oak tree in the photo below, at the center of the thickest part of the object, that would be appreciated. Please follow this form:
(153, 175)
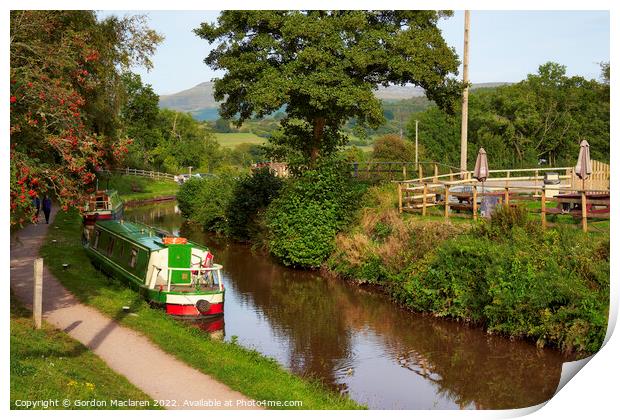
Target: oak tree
(323, 66)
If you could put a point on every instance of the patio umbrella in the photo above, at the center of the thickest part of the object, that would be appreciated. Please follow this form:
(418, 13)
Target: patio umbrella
(583, 169)
(481, 170)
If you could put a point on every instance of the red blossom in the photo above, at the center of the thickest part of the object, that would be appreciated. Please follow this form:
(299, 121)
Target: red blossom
(13, 99)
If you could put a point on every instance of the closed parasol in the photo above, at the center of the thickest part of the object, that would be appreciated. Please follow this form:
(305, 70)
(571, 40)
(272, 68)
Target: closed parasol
(481, 170)
(583, 169)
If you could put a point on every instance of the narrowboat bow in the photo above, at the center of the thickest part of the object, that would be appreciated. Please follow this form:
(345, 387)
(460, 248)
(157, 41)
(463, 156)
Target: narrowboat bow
(169, 271)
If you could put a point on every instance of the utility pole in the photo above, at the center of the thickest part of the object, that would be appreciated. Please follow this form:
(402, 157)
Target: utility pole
(416, 143)
(465, 97)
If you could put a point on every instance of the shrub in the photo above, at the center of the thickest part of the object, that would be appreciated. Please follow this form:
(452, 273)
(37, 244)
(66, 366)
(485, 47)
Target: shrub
(312, 209)
(251, 196)
(392, 148)
(205, 200)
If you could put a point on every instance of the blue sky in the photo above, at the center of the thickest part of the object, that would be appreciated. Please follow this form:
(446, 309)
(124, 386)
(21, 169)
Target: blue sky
(504, 45)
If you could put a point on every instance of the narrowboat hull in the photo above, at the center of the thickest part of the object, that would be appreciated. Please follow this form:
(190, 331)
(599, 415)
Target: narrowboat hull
(188, 300)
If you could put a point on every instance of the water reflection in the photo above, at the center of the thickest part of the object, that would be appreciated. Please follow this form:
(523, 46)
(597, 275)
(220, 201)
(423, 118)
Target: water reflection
(360, 343)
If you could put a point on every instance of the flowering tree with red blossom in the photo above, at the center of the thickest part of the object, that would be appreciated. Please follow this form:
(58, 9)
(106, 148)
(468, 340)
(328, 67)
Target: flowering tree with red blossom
(65, 101)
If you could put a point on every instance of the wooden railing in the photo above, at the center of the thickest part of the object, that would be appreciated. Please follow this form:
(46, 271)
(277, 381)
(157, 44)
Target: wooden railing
(142, 172)
(394, 170)
(588, 199)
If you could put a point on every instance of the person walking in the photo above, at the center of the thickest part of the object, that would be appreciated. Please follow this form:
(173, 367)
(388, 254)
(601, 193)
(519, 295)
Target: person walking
(47, 208)
(36, 203)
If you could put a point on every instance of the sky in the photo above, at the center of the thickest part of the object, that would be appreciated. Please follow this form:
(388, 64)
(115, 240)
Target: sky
(505, 46)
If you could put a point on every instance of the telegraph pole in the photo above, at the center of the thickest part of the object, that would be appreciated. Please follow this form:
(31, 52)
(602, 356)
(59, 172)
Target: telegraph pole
(465, 97)
(416, 143)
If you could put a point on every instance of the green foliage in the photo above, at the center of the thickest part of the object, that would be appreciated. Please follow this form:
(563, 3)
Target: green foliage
(205, 200)
(66, 93)
(251, 196)
(322, 66)
(392, 148)
(305, 219)
(542, 117)
(505, 274)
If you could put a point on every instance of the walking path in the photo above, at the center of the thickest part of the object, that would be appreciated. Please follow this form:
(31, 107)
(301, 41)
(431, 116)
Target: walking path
(127, 352)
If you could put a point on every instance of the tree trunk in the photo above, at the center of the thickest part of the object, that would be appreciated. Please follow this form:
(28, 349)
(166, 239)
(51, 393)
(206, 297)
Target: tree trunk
(317, 138)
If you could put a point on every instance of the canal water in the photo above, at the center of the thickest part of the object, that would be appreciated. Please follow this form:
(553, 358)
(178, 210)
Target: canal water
(361, 344)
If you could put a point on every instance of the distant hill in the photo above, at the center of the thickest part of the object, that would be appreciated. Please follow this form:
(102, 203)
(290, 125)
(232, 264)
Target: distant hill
(200, 103)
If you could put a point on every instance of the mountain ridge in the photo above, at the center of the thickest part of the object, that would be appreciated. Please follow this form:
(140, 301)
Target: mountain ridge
(199, 100)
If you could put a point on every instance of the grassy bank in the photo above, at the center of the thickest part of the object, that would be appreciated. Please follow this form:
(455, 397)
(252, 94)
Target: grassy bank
(132, 187)
(47, 364)
(244, 370)
(507, 274)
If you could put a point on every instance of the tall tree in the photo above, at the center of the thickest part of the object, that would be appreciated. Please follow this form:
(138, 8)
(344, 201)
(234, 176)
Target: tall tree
(323, 66)
(65, 99)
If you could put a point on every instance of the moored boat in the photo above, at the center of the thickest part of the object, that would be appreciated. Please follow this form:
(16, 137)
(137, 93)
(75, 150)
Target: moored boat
(169, 271)
(102, 205)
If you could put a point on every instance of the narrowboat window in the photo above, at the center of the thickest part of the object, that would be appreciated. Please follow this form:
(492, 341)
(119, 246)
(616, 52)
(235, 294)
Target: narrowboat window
(133, 258)
(110, 247)
(96, 240)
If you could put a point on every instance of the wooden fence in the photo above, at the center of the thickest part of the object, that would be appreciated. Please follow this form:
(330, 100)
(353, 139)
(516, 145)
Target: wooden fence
(142, 172)
(398, 170)
(571, 195)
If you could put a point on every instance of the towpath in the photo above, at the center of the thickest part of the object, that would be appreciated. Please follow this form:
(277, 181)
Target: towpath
(158, 374)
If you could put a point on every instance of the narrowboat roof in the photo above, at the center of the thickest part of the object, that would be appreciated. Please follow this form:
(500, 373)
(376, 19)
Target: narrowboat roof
(140, 234)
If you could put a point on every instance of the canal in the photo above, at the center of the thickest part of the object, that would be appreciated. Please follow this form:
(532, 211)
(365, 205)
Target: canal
(358, 342)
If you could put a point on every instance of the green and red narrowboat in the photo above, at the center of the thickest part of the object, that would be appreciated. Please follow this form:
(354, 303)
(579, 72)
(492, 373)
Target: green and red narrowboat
(102, 205)
(169, 271)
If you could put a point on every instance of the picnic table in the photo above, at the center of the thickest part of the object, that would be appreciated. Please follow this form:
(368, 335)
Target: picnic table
(597, 205)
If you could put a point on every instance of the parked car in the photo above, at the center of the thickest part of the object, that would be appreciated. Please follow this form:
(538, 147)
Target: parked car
(180, 179)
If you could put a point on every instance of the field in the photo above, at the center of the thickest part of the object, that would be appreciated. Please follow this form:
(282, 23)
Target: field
(234, 139)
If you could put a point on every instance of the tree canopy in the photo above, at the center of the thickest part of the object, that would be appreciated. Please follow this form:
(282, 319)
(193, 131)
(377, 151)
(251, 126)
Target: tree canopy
(322, 67)
(66, 95)
(544, 116)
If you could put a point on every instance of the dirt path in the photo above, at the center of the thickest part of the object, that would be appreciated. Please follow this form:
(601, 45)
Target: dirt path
(127, 352)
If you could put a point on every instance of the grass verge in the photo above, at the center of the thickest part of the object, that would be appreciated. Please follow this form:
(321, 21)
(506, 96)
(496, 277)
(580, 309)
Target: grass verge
(247, 371)
(47, 364)
(131, 188)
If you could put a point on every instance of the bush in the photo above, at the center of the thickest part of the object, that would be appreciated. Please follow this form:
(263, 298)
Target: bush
(312, 209)
(507, 274)
(251, 196)
(550, 286)
(391, 148)
(205, 200)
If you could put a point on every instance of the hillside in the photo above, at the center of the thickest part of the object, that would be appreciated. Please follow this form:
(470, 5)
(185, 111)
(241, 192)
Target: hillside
(200, 103)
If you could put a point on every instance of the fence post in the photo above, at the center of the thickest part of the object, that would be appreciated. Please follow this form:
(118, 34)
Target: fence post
(400, 197)
(420, 171)
(127, 171)
(446, 210)
(405, 171)
(584, 212)
(475, 202)
(506, 196)
(436, 173)
(424, 199)
(37, 299)
(543, 208)
(507, 176)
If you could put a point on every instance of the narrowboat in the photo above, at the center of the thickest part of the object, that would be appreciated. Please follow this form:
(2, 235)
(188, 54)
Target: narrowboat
(171, 272)
(102, 205)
